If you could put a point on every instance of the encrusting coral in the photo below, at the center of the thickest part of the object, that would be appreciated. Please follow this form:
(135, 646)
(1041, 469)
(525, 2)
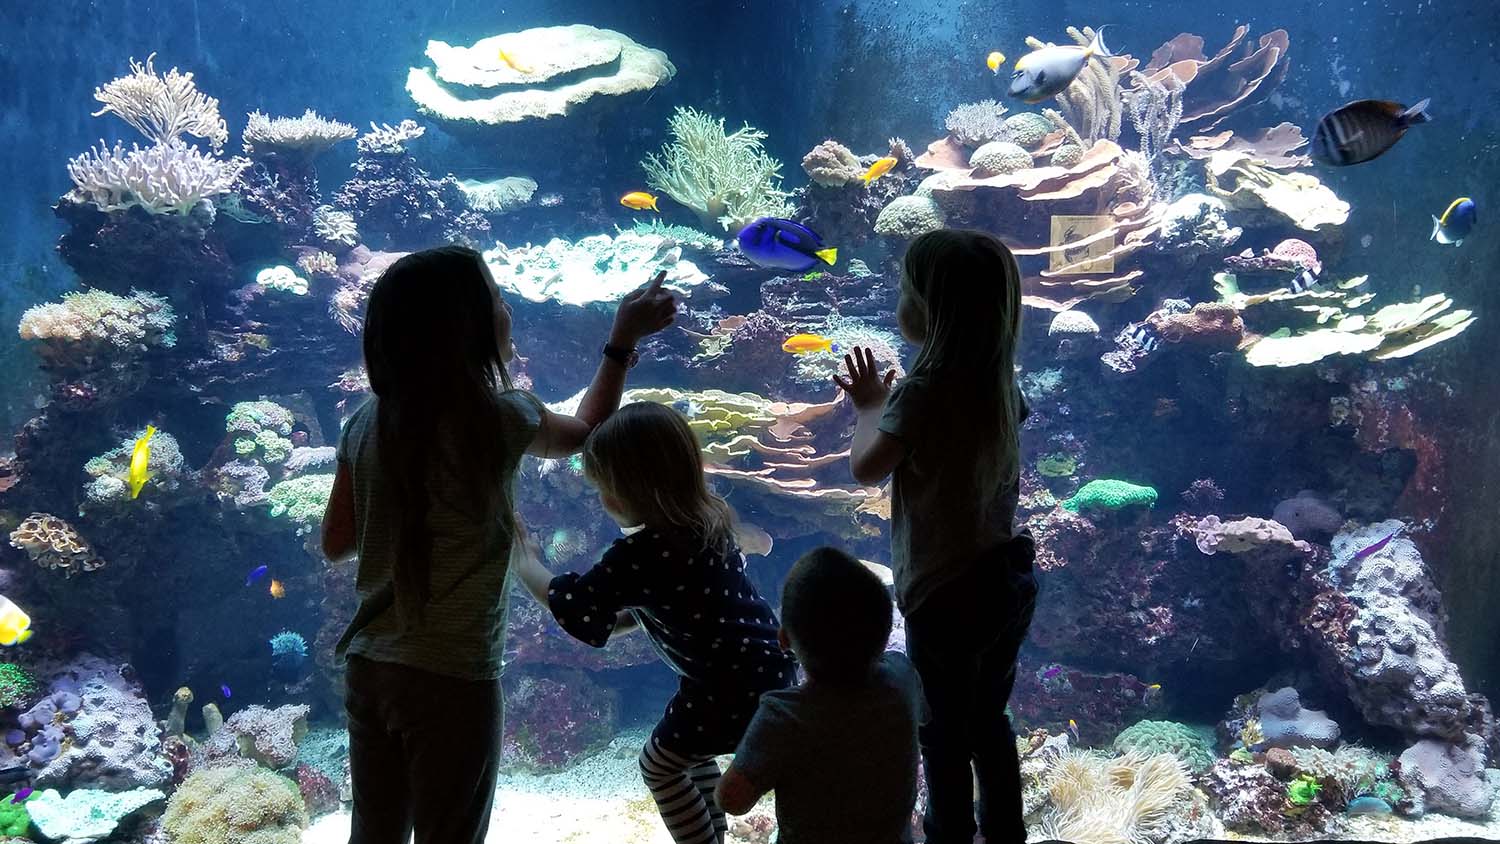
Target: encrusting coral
(93, 324)
(726, 178)
(832, 165)
(307, 136)
(166, 470)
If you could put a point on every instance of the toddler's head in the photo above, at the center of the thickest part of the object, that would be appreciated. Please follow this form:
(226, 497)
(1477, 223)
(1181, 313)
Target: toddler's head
(645, 461)
(836, 615)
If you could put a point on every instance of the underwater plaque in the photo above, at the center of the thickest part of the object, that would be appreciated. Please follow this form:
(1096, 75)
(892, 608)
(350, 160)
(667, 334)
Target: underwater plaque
(1087, 258)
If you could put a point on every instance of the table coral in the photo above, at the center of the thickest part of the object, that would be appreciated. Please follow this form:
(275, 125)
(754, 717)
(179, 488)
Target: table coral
(1239, 74)
(565, 69)
(307, 136)
(1297, 198)
(236, 806)
(1110, 494)
(54, 544)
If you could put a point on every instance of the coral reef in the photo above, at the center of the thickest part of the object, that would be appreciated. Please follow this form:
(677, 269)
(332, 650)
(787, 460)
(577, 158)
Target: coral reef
(1148, 738)
(976, 124)
(568, 68)
(1093, 103)
(1092, 798)
(301, 500)
(235, 806)
(726, 178)
(86, 815)
(307, 136)
(498, 196)
(110, 738)
(396, 202)
(595, 271)
(318, 791)
(555, 717)
(94, 345)
(166, 470)
(1196, 225)
(52, 543)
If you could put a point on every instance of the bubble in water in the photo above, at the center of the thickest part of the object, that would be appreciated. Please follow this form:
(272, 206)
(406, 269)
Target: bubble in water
(1367, 240)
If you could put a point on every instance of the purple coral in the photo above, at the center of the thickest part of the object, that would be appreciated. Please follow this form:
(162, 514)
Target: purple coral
(1290, 255)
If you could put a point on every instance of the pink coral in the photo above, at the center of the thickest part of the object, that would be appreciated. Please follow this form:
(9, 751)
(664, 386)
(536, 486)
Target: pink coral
(1212, 324)
(269, 736)
(1213, 535)
(1290, 255)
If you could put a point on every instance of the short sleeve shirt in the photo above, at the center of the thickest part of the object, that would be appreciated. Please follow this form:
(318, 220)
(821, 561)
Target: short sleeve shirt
(842, 761)
(461, 633)
(938, 525)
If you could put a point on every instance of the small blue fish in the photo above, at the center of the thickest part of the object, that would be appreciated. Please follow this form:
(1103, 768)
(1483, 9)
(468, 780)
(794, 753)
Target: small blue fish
(225, 689)
(1051, 671)
(1456, 222)
(779, 244)
(256, 574)
(1374, 548)
(1368, 804)
(21, 795)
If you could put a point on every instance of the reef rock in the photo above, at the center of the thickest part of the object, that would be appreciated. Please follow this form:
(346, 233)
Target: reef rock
(1446, 778)
(1286, 724)
(552, 71)
(1197, 225)
(1308, 516)
(113, 741)
(554, 717)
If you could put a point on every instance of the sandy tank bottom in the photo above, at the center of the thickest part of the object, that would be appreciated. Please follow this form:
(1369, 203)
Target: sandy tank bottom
(602, 799)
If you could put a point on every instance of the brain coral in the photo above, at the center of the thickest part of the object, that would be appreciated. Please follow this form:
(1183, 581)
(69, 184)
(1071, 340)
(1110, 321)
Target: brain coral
(909, 216)
(1028, 129)
(235, 806)
(1110, 494)
(998, 158)
(1149, 738)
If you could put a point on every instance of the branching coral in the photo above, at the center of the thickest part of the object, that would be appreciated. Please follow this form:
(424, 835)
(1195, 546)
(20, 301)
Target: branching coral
(235, 806)
(168, 178)
(727, 179)
(54, 544)
(306, 136)
(163, 107)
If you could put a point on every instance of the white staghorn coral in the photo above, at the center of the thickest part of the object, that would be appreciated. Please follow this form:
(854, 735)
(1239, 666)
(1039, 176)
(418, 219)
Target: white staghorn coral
(169, 178)
(163, 107)
(334, 226)
(388, 139)
(309, 135)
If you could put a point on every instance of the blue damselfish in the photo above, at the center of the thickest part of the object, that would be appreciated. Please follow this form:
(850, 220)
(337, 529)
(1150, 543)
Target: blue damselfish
(779, 244)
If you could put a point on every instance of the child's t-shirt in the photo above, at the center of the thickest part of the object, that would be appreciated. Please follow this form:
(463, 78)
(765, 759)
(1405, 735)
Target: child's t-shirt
(937, 523)
(462, 630)
(700, 611)
(842, 761)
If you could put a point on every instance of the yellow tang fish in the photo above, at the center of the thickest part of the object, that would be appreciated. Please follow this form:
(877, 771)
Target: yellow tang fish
(806, 344)
(511, 62)
(15, 624)
(140, 457)
(994, 61)
(639, 200)
(881, 167)
(277, 590)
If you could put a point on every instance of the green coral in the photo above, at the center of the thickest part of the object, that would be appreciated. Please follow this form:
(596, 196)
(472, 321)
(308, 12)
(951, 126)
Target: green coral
(1357, 770)
(1303, 790)
(1110, 494)
(726, 178)
(252, 417)
(274, 447)
(1056, 466)
(18, 686)
(235, 806)
(15, 819)
(301, 499)
(1191, 746)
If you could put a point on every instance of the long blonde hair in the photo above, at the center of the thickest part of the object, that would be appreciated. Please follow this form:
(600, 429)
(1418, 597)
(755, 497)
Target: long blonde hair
(646, 456)
(968, 287)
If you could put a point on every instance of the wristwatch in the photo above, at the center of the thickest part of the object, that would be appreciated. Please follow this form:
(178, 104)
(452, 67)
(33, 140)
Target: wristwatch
(627, 358)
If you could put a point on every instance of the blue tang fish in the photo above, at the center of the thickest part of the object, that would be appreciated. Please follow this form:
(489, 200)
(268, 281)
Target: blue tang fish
(779, 244)
(1362, 130)
(256, 574)
(1456, 222)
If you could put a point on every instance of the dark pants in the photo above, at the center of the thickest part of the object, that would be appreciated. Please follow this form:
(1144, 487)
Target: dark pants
(963, 641)
(424, 751)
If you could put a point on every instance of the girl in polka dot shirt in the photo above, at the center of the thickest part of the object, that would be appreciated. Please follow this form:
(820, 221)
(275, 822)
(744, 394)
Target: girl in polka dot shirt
(678, 575)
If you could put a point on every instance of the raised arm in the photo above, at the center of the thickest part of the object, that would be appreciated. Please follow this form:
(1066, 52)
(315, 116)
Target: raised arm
(874, 455)
(641, 314)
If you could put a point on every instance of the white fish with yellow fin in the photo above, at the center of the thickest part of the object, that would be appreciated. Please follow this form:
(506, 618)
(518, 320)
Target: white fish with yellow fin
(1046, 72)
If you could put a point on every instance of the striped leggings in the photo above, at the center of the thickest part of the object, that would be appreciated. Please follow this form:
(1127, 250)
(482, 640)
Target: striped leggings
(683, 787)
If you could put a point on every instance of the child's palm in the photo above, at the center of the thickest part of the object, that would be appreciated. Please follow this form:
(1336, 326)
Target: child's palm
(865, 385)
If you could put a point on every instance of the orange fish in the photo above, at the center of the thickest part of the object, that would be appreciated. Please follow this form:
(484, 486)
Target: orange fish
(881, 167)
(806, 344)
(277, 590)
(639, 200)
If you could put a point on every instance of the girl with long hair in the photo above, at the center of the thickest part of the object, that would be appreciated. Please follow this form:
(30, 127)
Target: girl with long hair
(424, 495)
(948, 435)
(678, 574)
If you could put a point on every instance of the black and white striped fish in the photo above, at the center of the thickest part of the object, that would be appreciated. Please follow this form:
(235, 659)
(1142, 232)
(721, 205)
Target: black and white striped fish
(1305, 280)
(1143, 337)
(1362, 130)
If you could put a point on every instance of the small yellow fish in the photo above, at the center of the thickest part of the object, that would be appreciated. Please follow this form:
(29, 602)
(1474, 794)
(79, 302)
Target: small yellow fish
(140, 457)
(511, 62)
(881, 167)
(994, 61)
(15, 624)
(806, 344)
(277, 590)
(639, 200)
